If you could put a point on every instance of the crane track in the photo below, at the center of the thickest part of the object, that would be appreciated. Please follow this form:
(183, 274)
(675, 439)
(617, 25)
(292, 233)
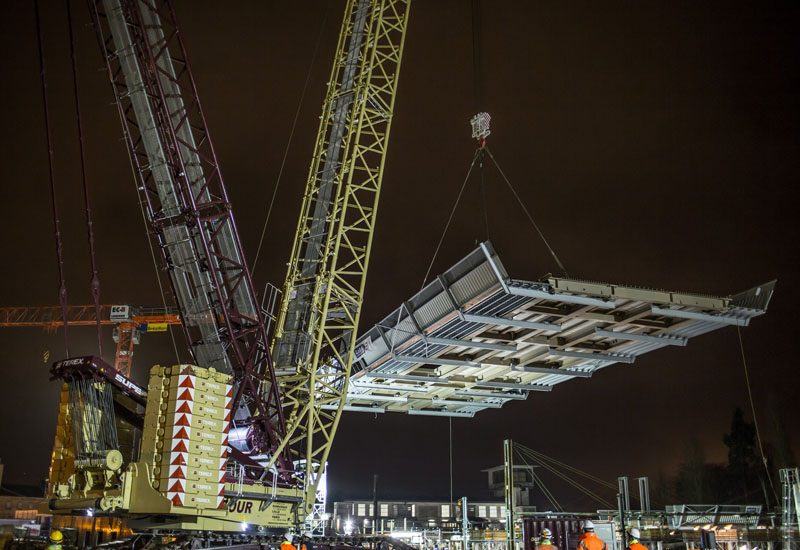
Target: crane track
(215, 541)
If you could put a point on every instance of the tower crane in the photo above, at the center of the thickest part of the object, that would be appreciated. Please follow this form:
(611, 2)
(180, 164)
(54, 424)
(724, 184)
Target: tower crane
(129, 323)
(228, 444)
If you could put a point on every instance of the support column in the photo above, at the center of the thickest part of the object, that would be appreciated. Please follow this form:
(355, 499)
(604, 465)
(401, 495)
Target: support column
(508, 449)
(125, 336)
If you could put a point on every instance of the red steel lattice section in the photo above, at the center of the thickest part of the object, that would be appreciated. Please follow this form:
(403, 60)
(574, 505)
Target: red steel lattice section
(200, 205)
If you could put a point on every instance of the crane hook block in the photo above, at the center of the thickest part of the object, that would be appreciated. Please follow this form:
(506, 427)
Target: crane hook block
(480, 126)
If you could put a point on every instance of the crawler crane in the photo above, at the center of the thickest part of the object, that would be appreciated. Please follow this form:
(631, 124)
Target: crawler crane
(229, 443)
(229, 450)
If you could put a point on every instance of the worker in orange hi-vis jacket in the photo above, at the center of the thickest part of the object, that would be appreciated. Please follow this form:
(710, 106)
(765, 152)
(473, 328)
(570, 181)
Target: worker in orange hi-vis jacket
(589, 539)
(546, 542)
(633, 540)
(287, 542)
(305, 542)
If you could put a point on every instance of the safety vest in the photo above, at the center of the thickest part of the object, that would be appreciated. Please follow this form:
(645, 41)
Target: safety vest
(546, 544)
(286, 545)
(636, 545)
(589, 541)
(53, 546)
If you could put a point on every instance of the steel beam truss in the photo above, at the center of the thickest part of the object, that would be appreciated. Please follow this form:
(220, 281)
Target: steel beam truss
(323, 294)
(124, 335)
(51, 318)
(182, 190)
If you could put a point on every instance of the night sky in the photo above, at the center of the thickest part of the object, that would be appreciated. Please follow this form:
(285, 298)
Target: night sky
(655, 143)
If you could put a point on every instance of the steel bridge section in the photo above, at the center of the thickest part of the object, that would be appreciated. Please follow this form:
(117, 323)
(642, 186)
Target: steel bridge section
(323, 294)
(475, 338)
(182, 190)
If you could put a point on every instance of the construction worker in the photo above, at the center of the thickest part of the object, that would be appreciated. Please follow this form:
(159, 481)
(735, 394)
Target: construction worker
(589, 539)
(305, 542)
(546, 542)
(56, 538)
(287, 542)
(633, 540)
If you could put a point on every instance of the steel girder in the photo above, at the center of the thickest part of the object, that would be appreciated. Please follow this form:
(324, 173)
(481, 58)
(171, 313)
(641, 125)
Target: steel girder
(323, 293)
(51, 317)
(181, 187)
(125, 339)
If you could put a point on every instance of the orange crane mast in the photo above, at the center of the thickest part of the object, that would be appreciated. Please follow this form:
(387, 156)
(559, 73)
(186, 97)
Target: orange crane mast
(128, 321)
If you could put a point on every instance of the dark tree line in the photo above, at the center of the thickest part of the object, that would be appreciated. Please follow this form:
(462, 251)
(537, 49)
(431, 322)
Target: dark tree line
(745, 479)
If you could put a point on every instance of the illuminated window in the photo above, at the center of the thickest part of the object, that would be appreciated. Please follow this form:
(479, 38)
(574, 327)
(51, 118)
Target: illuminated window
(384, 510)
(482, 511)
(362, 510)
(445, 510)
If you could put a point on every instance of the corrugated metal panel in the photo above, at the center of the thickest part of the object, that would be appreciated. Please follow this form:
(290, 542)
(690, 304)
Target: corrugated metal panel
(433, 311)
(474, 284)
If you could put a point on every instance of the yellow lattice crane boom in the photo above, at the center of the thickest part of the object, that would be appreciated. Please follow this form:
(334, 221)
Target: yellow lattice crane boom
(324, 288)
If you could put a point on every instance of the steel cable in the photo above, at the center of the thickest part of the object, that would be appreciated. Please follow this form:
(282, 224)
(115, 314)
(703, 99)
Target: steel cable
(452, 212)
(95, 280)
(547, 493)
(484, 204)
(91, 409)
(753, 409)
(570, 468)
(477, 91)
(570, 481)
(62, 289)
(289, 141)
(535, 226)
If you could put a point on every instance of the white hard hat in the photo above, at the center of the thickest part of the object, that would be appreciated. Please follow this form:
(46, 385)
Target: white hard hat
(635, 533)
(546, 532)
(289, 536)
(588, 525)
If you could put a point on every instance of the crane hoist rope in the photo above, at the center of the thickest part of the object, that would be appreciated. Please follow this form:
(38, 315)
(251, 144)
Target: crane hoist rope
(95, 278)
(289, 139)
(527, 213)
(450, 218)
(62, 288)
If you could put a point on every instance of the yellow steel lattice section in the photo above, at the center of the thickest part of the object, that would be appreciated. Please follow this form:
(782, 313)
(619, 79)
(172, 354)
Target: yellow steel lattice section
(313, 394)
